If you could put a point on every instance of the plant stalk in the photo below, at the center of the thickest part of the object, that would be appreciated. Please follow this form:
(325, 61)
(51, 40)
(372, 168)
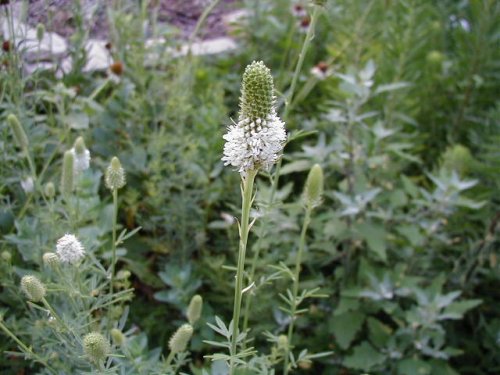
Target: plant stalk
(113, 245)
(246, 204)
(295, 288)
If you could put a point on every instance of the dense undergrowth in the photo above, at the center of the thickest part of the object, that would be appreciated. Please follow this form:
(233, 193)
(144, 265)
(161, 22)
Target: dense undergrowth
(396, 101)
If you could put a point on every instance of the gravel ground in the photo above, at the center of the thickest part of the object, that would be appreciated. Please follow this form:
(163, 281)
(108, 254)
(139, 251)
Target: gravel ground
(59, 15)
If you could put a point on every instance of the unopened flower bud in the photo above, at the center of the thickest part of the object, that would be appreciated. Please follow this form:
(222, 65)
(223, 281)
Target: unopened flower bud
(96, 346)
(40, 32)
(115, 175)
(313, 189)
(6, 256)
(282, 341)
(18, 132)
(194, 309)
(49, 190)
(67, 174)
(51, 260)
(118, 337)
(33, 288)
(180, 339)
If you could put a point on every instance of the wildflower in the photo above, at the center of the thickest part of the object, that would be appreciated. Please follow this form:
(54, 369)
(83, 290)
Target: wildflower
(298, 10)
(304, 23)
(69, 249)
(194, 309)
(96, 346)
(50, 259)
(33, 288)
(6, 256)
(115, 71)
(321, 71)
(28, 184)
(179, 340)
(114, 177)
(40, 32)
(81, 156)
(258, 138)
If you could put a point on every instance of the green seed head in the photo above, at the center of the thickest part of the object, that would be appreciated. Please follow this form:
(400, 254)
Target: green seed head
(49, 190)
(194, 309)
(313, 189)
(18, 132)
(33, 288)
(51, 260)
(180, 339)
(118, 337)
(79, 146)
(257, 92)
(115, 175)
(96, 346)
(457, 158)
(67, 174)
(40, 31)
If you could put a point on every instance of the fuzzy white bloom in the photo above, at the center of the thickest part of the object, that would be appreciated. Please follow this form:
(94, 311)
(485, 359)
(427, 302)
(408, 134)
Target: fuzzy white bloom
(258, 138)
(28, 184)
(253, 144)
(81, 161)
(69, 249)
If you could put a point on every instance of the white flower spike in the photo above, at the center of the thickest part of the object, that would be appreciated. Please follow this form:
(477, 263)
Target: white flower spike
(81, 156)
(69, 249)
(258, 138)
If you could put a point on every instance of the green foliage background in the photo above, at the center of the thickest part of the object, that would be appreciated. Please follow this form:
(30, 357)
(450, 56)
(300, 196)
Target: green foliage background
(406, 129)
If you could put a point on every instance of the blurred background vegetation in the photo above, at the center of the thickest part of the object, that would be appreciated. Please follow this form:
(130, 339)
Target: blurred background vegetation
(403, 116)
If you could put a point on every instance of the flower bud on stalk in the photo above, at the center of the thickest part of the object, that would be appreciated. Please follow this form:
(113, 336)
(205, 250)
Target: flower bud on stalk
(96, 346)
(118, 337)
(115, 175)
(40, 32)
(33, 288)
(18, 132)
(313, 189)
(180, 339)
(194, 309)
(51, 260)
(49, 190)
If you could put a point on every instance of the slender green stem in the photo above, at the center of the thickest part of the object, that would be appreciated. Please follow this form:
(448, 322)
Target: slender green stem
(305, 46)
(200, 23)
(57, 317)
(246, 204)
(296, 280)
(25, 348)
(170, 357)
(113, 244)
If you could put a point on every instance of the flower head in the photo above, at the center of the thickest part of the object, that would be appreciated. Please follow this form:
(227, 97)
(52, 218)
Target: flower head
(81, 156)
(115, 175)
(258, 138)
(96, 346)
(28, 184)
(180, 339)
(33, 288)
(69, 249)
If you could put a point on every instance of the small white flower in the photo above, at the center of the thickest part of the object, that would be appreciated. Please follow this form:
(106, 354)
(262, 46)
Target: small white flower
(81, 161)
(69, 249)
(250, 145)
(28, 185)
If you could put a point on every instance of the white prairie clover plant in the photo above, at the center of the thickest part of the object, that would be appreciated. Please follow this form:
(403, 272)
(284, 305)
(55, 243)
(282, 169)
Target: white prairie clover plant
(258, 138)
(255, 142)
